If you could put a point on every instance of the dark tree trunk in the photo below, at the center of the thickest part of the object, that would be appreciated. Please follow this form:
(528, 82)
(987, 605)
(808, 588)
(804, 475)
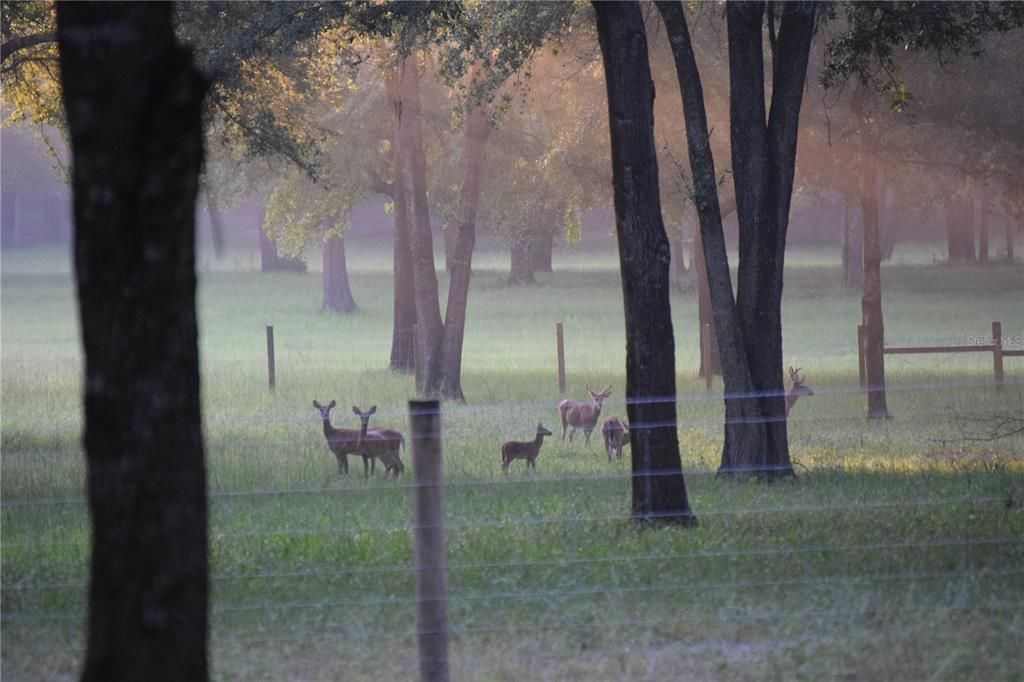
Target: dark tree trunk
(521, 262)
(889, 229)
(871, 297)
(960, 229)
(428, 308)
(853, 250)
(337, 292)
(659, 490)
(477, 131)
(404, 309)
(1010, 237)
(133, 101)
(983, 224)
(745, 432)
(543, 247)
(710, 362)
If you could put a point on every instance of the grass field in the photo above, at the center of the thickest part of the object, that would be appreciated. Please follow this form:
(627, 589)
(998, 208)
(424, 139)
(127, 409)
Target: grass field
(898, 553)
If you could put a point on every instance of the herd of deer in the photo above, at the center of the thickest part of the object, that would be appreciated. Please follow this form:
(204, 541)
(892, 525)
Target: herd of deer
(386, 444)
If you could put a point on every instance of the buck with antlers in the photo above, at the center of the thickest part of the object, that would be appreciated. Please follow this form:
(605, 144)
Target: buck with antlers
(578, 415)
(798, 389)
(615, 435)
(342, 442)
(383, 444)
(528, 450)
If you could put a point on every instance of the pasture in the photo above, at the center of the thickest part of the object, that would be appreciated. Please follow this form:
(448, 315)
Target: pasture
(898, 553)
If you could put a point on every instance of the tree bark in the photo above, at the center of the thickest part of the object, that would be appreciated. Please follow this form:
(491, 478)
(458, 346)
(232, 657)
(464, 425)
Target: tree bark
(871, 297)
(477, 131)
(983, 224)
(1010, 237)
(428, 308)
(710, 362)
(134, 100)
(404, 308)
(853, 250)
(659, 490)
(521, 261)
(337, 291)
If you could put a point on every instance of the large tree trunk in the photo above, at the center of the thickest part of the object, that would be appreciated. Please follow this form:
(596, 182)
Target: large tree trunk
(960, 229)
(543, 247)
(133, 102)
(337, 292)
(428, 308)
(270, 259)
(659, 491)
(710, 362)
(871, 297)
(521, 261)
(853, 250)
(477, 131)
(404, 308)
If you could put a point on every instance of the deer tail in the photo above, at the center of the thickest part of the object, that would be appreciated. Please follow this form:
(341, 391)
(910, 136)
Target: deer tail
(563, 409)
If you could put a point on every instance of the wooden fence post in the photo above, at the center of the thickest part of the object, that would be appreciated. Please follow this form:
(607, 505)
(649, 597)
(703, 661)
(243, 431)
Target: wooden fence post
(705, 349)
(416, 357)
(560, 342)
(861, 362)
(997, 353)
(271, 378)
(429, 540)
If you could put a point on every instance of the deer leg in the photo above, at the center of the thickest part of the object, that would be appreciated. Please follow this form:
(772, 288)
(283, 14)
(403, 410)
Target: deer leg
(586, 434)
(342, 464)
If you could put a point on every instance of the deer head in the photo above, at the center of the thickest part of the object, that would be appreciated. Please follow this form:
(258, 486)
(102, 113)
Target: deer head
(364, 417)
(600, 397)
(798, 388)
(542, 430)
(325, 412)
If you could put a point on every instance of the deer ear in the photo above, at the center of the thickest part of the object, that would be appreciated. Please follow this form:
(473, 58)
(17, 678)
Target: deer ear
(355, 411)
(333, 403)
(316, 404)
(373, 410)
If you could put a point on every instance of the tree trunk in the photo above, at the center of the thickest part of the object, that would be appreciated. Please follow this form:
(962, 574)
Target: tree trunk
(960, 229)
(659, 490)
(983, 224)
(543, 247)
(521, 261)
(270, 259)
(404, 309)
(477, 131)
(428, 308)
(710, 362)
(853, 250)
(337, 292)
(871, 297)
(134, 110)
(450, 234)
(888, 228)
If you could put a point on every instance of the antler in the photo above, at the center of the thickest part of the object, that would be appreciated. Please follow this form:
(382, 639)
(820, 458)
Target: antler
(794, 374)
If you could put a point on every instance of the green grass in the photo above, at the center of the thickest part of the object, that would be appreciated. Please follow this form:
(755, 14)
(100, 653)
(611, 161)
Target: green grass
(897, 554)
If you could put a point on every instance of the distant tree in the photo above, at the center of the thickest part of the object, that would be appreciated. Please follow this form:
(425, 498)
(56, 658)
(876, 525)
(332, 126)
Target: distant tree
(659, 489)
(134, 112)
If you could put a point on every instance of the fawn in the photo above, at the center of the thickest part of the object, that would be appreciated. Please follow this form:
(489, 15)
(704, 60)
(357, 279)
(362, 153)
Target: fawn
(515, 449)
(615, 435)
(342, 442)
(384, 444)
(578, 415)
(798, 389)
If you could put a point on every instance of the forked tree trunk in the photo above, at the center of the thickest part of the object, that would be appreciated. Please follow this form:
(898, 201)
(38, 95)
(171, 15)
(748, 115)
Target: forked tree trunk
(428, 308)
(337, 291)
(477, 130)
(134, 110)
(659, 490)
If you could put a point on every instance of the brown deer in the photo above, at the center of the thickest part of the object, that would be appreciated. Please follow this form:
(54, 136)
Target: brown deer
(342, 442)
(577, 415)
(798, 389)
(615, 435)
(383, 444)
(516, 449)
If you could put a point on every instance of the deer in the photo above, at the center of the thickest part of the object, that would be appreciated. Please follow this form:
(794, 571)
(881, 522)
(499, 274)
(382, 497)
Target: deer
(528, 450)
(798, 389)
(615, 434)
(578, 415)
(342, 442)
(383, 444)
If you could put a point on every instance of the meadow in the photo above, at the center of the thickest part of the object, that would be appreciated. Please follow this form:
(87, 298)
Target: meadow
(897, 553)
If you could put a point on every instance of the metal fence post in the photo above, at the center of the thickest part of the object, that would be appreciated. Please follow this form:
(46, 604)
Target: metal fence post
(271, 378)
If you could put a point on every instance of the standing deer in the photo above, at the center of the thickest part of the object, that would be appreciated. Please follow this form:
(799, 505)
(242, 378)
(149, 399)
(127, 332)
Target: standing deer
(516, 449)
(615, 435)
(798, 389)
(342, 442)
(383, 444)
(577, 415)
